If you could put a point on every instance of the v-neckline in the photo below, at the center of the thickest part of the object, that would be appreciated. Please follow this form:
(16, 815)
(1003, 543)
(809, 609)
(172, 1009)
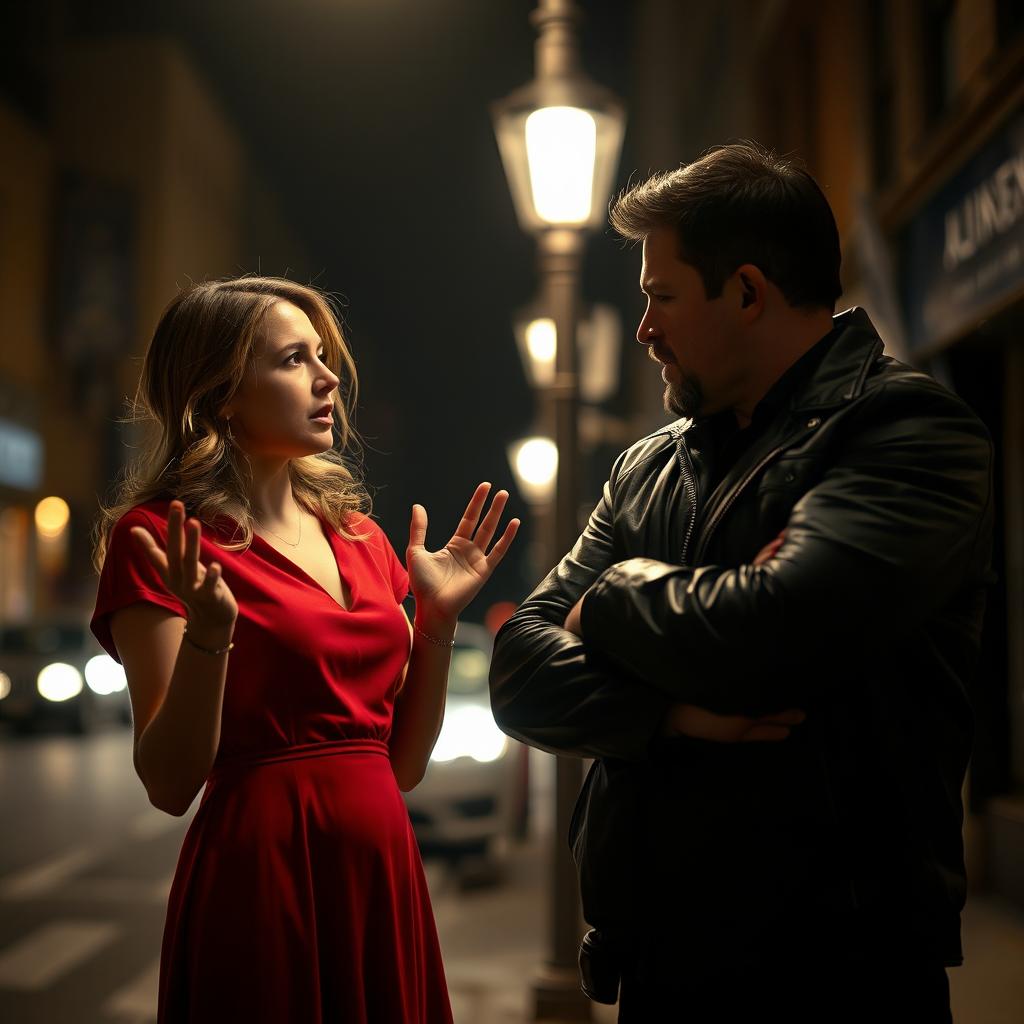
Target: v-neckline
(342, 578)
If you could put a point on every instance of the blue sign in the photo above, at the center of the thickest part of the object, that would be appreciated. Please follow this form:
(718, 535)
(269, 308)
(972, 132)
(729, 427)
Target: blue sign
(21, 456)
(963, 255)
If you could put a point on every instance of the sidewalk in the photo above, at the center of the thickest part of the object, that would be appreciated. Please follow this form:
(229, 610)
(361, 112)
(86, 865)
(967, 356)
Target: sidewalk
(989, 988)
(493, 938)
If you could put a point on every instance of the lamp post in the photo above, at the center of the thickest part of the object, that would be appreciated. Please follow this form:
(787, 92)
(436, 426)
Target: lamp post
(598, 344)
(559, 137)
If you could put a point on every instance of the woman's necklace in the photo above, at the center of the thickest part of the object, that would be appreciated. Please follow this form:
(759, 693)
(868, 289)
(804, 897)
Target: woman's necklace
(290, 544)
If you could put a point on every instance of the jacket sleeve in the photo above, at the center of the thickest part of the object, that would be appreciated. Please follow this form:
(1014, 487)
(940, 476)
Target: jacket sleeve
(547, 689)
(897, 525)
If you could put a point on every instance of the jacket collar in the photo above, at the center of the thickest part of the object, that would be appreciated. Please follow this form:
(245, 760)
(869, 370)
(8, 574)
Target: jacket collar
(840, 376)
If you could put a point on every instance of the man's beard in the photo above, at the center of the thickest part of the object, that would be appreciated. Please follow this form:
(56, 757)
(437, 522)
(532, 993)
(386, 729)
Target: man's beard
(685, 398)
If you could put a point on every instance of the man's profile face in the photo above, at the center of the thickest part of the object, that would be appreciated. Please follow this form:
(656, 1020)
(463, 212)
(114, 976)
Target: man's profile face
(691, 336)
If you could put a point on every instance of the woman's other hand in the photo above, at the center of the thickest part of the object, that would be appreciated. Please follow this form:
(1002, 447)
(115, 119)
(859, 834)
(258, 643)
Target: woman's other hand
(444, 582)
(204, 592)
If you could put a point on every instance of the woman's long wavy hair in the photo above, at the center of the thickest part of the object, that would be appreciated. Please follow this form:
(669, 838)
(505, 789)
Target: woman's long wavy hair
(201, 350)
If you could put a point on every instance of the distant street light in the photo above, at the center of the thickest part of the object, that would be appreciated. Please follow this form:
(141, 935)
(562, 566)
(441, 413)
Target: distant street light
(559, 137)
(537, 341)
(52, 518)
(534, 461)
(52, 515)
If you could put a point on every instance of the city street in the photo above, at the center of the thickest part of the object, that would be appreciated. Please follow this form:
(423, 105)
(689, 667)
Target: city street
(715, 311)
(86, 863)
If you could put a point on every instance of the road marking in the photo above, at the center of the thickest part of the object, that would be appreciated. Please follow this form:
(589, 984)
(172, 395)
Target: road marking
(34, 881)
(152, 823)
(115, 890)
(43, 878)
(137, 1000)
(48, 952)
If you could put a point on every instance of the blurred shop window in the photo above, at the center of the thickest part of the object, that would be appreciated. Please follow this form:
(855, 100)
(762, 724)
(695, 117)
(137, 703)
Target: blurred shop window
(1009, 21)
(881, 101)
(938, 56)
(15, 544)
(789, 94)
(26, 45)
(808, 93)
(94, 287)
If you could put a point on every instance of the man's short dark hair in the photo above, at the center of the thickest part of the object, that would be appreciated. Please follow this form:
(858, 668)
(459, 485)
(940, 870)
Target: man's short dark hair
(742, 204)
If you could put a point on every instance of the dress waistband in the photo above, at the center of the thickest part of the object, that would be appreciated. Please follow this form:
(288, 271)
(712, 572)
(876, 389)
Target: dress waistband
(324, 748)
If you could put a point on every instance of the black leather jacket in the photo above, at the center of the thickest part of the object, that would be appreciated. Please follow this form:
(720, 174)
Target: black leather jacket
(869, 618)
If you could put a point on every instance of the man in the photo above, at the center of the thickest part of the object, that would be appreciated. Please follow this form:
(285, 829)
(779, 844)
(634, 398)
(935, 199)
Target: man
(764, 635)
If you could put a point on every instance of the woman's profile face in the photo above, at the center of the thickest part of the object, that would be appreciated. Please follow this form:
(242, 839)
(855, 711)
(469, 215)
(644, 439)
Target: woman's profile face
(285, 387)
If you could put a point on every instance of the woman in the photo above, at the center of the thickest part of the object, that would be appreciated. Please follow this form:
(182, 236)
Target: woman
(256, 609)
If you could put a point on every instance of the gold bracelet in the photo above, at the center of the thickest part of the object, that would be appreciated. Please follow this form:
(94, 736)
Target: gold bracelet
(433, 639)
(207, 650)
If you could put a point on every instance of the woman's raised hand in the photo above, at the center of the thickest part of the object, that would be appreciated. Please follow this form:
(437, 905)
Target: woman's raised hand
(208, 598)
(444, 582)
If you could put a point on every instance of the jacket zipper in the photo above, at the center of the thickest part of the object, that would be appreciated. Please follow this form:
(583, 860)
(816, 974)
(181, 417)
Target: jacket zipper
(733, 494)
(691, 486)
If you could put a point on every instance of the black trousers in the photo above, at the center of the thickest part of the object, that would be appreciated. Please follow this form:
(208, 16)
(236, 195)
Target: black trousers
(878, 992)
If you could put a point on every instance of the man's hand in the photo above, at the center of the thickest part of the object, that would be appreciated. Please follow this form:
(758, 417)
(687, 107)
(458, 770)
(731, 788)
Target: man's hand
(572, 620)
(701, 724)
(770, 549)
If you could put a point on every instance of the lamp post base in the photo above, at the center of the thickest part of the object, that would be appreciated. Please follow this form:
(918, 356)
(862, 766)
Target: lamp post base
(557, 996)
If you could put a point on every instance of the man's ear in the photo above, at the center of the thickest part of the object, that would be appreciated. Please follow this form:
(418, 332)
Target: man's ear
(751, 287)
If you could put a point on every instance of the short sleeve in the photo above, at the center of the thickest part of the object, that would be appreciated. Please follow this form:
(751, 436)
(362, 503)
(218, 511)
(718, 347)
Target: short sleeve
(396, 571)
(128, 577)
(399, 577)
(384, 557)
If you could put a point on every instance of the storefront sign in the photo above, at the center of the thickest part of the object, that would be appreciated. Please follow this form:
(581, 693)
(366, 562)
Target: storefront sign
(963, 255)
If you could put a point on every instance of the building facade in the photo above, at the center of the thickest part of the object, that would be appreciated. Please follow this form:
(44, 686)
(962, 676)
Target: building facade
(121, 180)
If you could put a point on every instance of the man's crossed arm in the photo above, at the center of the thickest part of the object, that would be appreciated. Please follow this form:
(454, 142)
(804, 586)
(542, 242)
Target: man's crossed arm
(607, 654)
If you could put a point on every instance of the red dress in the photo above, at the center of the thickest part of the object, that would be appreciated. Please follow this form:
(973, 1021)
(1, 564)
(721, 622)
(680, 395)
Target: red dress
(299, 894)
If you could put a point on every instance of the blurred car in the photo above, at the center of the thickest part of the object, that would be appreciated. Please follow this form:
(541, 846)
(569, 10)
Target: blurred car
(472, 791)
(55, 672)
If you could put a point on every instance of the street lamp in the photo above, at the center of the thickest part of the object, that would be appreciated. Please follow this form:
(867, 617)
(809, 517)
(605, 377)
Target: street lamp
(534, 461)
(537, 341)
(559, 137)
(560, 134)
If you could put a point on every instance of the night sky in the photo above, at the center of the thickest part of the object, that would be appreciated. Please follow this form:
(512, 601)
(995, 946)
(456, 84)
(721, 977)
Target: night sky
(369, 120)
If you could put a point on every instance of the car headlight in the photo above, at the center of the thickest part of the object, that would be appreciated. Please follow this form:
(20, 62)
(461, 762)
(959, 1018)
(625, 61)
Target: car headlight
(469, 732)
(5, 685)
(59, 681)
(103, 675)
